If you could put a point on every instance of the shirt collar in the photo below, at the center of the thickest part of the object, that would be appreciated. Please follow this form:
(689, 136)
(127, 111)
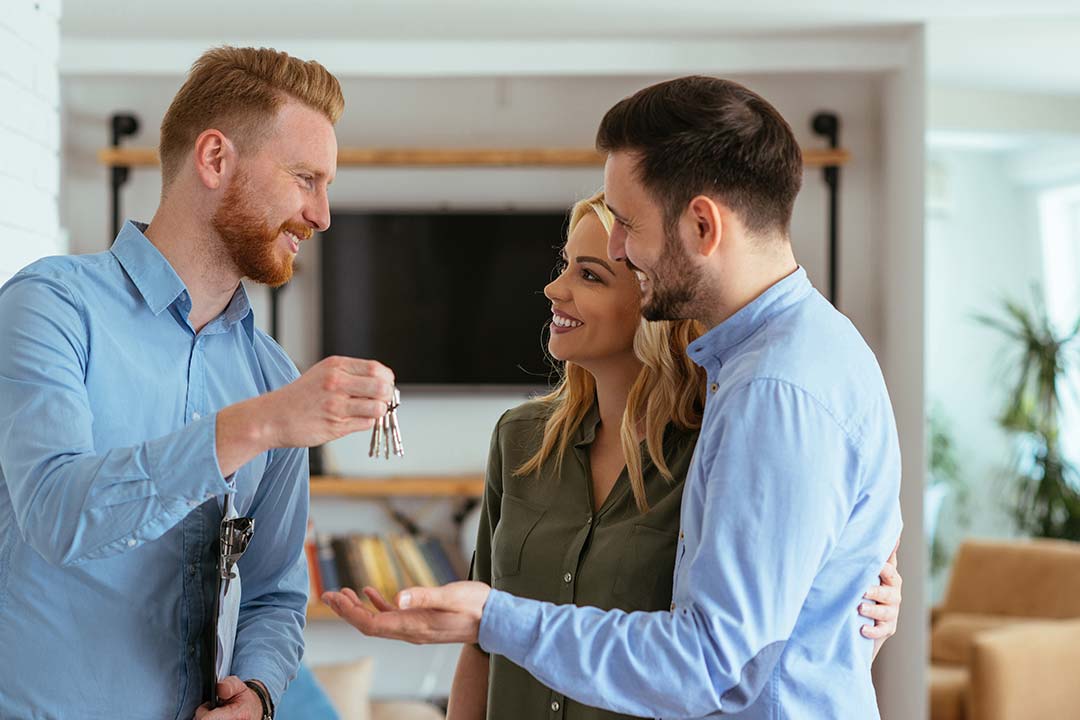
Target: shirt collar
(159, 284)
(586, 431)
(722, 341)
(148, 269)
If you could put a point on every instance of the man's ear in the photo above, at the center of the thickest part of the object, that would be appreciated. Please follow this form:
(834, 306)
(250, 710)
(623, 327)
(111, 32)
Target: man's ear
(706, 219)
(215, 158)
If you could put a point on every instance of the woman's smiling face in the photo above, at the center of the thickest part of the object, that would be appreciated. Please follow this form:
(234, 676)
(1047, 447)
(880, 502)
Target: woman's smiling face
(595, 302)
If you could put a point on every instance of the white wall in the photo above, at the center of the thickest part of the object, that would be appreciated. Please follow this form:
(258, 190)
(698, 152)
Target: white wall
(450, 432)
(900, 670)
(982, 247)
(29, 133)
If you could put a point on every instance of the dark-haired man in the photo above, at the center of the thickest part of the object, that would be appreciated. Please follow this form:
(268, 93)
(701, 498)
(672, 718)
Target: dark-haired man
(792, 502)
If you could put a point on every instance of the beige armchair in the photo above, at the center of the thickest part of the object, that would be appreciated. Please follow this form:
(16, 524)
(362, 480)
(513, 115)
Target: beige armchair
(1005, 643)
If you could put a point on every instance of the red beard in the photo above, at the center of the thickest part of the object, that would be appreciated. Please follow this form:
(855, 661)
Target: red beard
(251, 241)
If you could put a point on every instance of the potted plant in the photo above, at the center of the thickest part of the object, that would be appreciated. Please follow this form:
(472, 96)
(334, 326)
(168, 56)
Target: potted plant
(1047, 502)
(943, 480)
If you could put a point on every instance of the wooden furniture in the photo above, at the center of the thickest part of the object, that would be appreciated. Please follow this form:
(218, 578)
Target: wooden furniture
(454, 157)
(1005, 642)
(470, 487)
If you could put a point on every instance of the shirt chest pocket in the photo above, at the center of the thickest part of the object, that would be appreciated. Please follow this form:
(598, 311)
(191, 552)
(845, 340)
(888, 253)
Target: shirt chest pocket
(643, 577)
(517, 519)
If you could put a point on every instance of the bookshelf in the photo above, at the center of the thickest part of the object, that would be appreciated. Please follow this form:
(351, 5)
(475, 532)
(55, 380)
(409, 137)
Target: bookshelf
(464, 486)
(470, 486)
(455, 157)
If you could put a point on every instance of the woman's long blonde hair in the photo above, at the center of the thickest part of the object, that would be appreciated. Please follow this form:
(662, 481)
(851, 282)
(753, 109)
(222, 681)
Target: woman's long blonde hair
(669, 389)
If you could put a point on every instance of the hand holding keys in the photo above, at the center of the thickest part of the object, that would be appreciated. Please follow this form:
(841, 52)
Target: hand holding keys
(386, 435)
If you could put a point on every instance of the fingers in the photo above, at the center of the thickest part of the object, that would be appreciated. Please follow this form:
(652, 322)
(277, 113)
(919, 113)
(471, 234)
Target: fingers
(420, 597)
(884, 594)
(885, 620)
(878, 632)
(230, 687)
(879, 613)
(466, 598)
(891, 576)
(335, 382)
(349, 608)
(365, 408)
(363, 368)
(381, 604)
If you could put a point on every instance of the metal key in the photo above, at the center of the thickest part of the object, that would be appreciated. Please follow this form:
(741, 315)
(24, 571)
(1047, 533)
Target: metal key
(386, 433)
(395, 429)
(375, 438)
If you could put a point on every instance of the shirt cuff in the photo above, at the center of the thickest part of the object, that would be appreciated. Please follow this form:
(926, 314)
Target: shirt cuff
(509, 625)
(184, 464)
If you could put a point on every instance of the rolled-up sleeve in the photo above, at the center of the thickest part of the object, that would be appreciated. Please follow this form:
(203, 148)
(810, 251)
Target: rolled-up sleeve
(775, 498)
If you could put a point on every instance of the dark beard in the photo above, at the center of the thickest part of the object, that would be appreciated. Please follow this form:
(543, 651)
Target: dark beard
(674, 283)
(248, 238)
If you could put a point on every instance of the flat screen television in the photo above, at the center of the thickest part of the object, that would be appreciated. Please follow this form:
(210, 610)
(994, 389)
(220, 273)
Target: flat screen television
(442, 298)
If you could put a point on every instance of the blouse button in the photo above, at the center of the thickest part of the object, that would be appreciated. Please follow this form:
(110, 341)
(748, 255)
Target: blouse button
(555, 706)
(567, 577)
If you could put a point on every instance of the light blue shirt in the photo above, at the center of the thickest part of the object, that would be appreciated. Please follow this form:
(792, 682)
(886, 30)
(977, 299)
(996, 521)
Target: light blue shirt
(110, 491)
(790, 509)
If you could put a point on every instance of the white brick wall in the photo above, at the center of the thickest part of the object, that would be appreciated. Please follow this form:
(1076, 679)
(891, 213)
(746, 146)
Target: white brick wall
(29, 133)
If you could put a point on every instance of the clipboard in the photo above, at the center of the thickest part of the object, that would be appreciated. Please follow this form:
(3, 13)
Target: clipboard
(234, 536)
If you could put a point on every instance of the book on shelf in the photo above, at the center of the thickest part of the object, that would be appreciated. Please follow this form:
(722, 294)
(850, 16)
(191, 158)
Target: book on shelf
(326, 568)
(311, 552)
(389, 563)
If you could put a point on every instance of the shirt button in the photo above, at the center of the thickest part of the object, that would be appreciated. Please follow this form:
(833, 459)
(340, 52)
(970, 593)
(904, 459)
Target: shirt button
(131, 542)
(191, 649)
(191, 569)
(672, 606)
(713, 388)
(567, 577)
(681, 536)
(555, 706)
(195, 416)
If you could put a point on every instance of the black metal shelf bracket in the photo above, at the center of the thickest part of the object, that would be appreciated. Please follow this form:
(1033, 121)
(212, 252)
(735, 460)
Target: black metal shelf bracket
(121, 125)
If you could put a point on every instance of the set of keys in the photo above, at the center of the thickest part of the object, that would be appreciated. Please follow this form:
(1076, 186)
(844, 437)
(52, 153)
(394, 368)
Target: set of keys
(386, 435)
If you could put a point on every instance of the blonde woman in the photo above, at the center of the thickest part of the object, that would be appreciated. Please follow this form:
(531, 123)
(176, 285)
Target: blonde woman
(584, 484)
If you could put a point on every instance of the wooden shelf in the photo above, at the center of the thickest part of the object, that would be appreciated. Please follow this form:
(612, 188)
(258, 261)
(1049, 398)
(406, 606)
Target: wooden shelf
(451, 157)
(471, 486)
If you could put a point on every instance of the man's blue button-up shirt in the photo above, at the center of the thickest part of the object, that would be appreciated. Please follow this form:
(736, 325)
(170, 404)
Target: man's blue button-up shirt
(110, 491)
(790, 509)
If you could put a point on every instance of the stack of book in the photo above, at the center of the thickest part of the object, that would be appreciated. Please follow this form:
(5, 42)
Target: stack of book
(388, 563)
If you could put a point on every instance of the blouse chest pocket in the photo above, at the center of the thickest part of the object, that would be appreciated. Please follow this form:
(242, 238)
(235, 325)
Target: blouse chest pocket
(643, 578)
(517, 519)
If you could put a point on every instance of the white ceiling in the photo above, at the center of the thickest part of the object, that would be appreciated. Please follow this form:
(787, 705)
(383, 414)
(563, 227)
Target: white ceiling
(504, 19)
(1031, 45)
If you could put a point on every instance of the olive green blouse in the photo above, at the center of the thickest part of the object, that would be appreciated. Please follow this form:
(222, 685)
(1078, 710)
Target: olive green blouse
(539, 538)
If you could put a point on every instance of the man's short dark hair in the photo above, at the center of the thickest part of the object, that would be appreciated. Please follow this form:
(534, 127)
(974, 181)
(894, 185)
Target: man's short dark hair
(702, 135)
